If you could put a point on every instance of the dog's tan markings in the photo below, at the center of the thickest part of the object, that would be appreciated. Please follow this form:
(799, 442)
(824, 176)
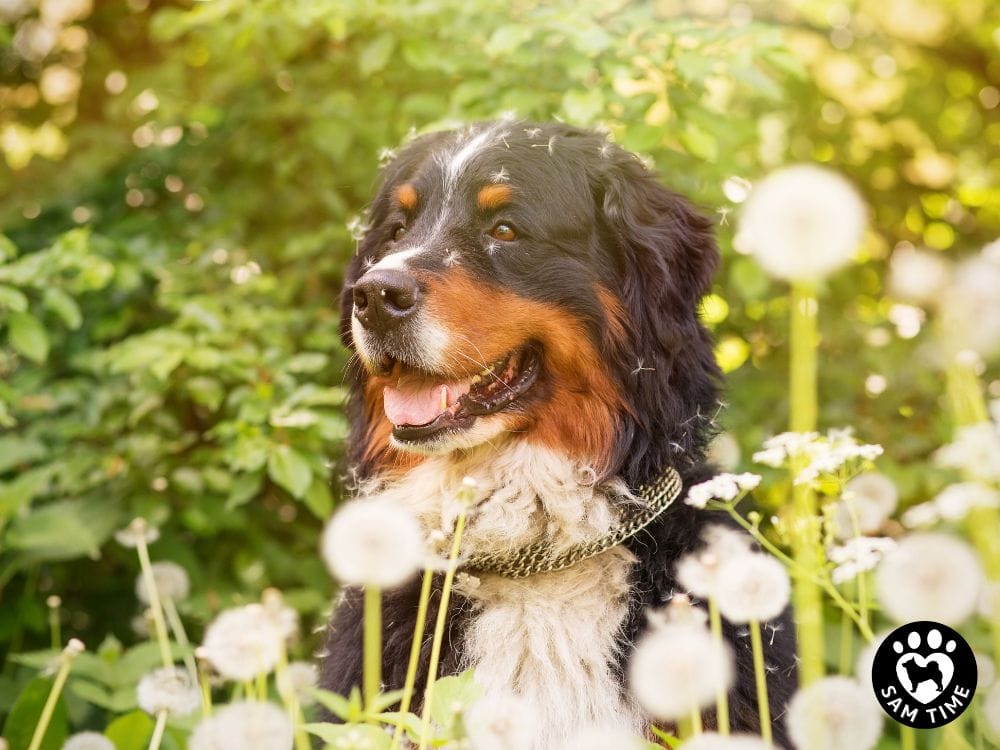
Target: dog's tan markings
(494, 196)
(614, 316)
(406, 194)
(577, 414)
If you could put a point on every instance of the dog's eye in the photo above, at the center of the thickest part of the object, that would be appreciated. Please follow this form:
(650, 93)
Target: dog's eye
(398, 233)
(503, 232)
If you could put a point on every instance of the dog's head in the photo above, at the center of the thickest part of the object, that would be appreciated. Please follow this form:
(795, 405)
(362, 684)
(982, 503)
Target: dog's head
(531, 282)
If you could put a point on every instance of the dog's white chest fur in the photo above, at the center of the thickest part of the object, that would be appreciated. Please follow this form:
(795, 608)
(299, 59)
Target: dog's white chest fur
(551, 638)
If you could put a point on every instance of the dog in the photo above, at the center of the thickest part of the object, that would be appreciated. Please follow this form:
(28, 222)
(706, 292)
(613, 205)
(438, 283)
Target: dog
(917, 674)
(523, 311)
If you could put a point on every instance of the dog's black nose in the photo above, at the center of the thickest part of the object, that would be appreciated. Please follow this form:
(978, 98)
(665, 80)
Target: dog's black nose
(384, 299)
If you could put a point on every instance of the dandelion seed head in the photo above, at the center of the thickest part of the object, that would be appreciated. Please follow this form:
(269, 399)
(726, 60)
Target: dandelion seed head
(713, 741)
(930, 576)
(970, 307)
(373, 542)
(501, 722)
(676, 669)
(955, 501)
(170, 579)
(920, 516)
(603, 738)
(752, 587)
(917, 276)
(303, 677)
(868, 500)
(87, 741)
(698, 571)
(991, 710)
(975, 451)
(840, 710)
(986, 671)
(724, 451)
(136, 532)
(169, 689)
(243, 642)
(802, 222)
(262, 726)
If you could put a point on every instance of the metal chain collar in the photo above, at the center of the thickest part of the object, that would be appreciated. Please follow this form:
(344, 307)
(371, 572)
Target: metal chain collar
(540, 557)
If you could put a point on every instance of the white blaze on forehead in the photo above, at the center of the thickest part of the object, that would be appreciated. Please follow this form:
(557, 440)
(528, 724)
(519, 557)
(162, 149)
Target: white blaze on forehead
(396, 261)
(458, 160)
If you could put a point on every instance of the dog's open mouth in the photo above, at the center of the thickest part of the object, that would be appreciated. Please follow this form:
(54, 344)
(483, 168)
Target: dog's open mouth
(420, 404)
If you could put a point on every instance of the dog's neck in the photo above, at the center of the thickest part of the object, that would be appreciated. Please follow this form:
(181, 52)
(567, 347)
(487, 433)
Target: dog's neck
(523, 494)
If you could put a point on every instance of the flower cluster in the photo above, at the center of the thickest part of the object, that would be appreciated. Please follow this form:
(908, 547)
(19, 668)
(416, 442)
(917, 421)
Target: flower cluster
(975, 451)
(834, 452)
(726, 487)
(953, 504)
(858, 555)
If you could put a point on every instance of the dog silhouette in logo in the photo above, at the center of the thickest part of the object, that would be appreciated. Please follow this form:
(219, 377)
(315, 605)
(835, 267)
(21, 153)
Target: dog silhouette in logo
(917, 674)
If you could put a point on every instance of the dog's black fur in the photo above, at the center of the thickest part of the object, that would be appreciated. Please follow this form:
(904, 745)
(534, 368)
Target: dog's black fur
(618, 227)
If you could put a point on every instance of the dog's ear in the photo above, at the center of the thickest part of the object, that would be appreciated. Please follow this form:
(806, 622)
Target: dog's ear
(665, 253)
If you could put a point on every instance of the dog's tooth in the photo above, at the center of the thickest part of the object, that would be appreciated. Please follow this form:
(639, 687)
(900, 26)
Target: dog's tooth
(444, 397)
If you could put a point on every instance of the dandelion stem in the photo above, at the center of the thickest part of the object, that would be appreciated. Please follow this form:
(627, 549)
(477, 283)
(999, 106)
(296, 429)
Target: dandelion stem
(442, 616)
(154, 601)
(287, 692)
(372, 646)
(760, 675)
(846, 654)
(907, 738)
(411, 667)
(721, 696)
(696, 721)
(177, 627)
(55, 628)
(66, 662)
(806, 548)
(161, 725)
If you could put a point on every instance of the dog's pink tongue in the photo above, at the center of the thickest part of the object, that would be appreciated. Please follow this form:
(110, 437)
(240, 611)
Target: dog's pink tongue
(415, 401)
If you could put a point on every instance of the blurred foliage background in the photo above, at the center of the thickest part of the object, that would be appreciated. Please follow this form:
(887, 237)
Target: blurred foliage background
(182, 182)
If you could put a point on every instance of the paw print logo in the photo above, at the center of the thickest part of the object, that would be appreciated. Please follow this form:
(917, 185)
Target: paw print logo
(924, 674)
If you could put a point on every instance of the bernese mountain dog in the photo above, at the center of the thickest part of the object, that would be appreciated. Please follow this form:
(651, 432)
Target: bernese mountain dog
(523, 307)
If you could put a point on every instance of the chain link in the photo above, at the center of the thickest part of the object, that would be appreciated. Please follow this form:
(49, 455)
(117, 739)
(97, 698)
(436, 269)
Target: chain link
(540, 557)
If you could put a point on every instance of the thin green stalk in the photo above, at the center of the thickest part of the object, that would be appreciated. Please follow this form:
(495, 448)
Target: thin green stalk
(846, 655)
(154, 597)
(55, 626)
(760, 675)
(161, 725)
(907, 738)
(806, 548)
(180, 634)
(372, 677)
(66, 662)
(411, 667)
(685, 730)
(721, 696)
(287, 692)
(439, 623)
(696, 721)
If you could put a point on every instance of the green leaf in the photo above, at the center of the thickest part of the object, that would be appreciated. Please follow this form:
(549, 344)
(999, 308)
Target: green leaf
(245, 487)
(65, 529)
(452, 696)
(319, 499)
(352, 736)
(12, 299)
(506, 39)
(375, 55)
(64, 306)
(24, 716)
(131, 731)
(582, 106)
(27, 335)
(699, 142)
(341, 707)
(8, 250)
(289, 469)
(19, 492)
(16, 451)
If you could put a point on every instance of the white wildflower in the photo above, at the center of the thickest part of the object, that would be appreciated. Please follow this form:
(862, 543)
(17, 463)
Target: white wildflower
(918, 275)
(501, 722)
(724, 451)
(373, 542)
(920, 516)
(970, 307)
(677, 669)
(858, 555)
(975, 451)
(955, 501)
(930, 576)
(837, 712)
(831, 456)
(783, 446)
(867, 501)
(88, 741)
(752, 587)
(713, 741)
(603, 738)
(262, 726)
(137, 531)
(991, 710)
(725, 487)
(698, 571)
(171, 582)
(243, 642)
(168, 689)
(802, 223)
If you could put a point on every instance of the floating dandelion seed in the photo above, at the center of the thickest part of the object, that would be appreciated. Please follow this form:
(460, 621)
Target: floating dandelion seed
(930, 576)
(262, 726)
(450, 258)
(373, 542)
(838, 711)
(802, 223)
(501, 175)
(532, 132)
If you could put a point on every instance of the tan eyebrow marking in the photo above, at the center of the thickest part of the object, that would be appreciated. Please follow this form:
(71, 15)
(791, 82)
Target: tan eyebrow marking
(406, 194)
(494, 196)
